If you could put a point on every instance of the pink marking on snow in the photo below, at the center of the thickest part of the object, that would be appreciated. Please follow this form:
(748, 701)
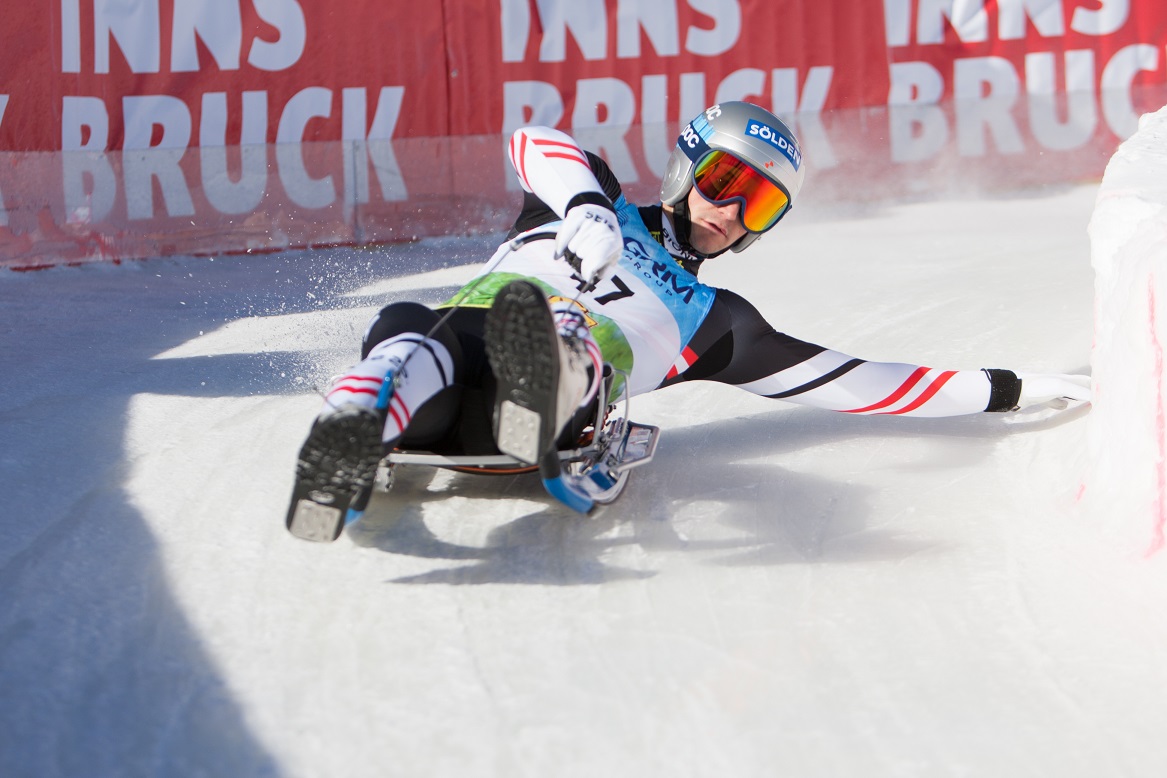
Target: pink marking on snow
(1160, 431)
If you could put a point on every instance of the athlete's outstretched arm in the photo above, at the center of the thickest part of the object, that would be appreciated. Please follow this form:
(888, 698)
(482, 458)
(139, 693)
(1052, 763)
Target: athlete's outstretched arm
(737, 346)
(838, 382)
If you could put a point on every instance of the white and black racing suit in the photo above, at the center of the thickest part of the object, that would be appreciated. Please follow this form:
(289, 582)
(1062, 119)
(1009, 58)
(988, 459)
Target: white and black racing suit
(678, 329)
(655, 322)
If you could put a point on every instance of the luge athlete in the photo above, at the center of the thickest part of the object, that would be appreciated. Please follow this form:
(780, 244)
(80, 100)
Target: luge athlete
(516, 364)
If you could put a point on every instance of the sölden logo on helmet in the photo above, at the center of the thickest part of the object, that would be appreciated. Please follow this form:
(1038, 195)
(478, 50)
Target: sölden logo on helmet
(775, 139)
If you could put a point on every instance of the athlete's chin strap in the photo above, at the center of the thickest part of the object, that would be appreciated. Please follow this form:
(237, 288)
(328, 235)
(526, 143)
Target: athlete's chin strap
(683, 228)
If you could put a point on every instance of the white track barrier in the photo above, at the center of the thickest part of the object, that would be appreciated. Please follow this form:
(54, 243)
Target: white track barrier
(1126, 480)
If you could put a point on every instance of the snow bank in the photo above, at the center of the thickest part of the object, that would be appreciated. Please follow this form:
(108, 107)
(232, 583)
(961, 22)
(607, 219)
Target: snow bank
(1126, 481)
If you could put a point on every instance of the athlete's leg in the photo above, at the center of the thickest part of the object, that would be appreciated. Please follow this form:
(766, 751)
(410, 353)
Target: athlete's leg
(547, 367)
(422, 402)
(403, 388)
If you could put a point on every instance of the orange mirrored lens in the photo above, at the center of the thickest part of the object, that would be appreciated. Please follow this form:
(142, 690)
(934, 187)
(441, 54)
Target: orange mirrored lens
(722, 177)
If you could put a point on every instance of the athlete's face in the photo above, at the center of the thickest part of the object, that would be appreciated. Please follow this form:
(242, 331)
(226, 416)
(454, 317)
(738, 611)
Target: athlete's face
(715, 227)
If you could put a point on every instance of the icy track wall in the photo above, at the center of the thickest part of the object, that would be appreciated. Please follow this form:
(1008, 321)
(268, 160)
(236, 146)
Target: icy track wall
(1126, 481)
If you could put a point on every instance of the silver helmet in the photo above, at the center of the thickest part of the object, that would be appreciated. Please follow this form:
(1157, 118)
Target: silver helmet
(748, 132)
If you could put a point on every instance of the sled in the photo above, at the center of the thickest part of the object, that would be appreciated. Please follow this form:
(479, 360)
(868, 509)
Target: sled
(598, 467)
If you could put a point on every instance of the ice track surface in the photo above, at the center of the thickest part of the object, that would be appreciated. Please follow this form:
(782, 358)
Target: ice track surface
(782, 592)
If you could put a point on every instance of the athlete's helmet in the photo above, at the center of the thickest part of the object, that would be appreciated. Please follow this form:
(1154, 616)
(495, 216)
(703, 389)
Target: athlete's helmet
(752, 135)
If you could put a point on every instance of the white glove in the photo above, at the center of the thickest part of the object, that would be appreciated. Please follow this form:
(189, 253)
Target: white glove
(590, 238)
(1052, 390)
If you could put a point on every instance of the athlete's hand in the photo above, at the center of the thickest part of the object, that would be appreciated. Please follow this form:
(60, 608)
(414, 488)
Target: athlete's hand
(590, 240)
(1055, 391)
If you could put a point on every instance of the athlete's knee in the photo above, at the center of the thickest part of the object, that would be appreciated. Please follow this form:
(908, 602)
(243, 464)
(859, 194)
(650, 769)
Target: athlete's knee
(405, 318)
(571, 325)
(433, 420)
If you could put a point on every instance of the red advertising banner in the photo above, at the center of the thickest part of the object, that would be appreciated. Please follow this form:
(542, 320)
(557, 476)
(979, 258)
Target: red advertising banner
(592, 63)
(966, 51)
(105, 74)
(100, 74)
(70, 207)
(134, 128)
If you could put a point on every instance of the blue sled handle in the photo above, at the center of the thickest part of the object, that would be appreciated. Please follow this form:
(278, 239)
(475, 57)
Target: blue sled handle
(568, 494)
(386, 390)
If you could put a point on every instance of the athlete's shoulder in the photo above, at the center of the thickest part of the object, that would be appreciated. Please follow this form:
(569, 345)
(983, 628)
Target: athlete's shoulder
(736, 309)
(603, 173)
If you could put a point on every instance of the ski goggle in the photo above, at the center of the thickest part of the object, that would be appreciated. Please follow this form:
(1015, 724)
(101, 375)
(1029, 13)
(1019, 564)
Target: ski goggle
(721, 178)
